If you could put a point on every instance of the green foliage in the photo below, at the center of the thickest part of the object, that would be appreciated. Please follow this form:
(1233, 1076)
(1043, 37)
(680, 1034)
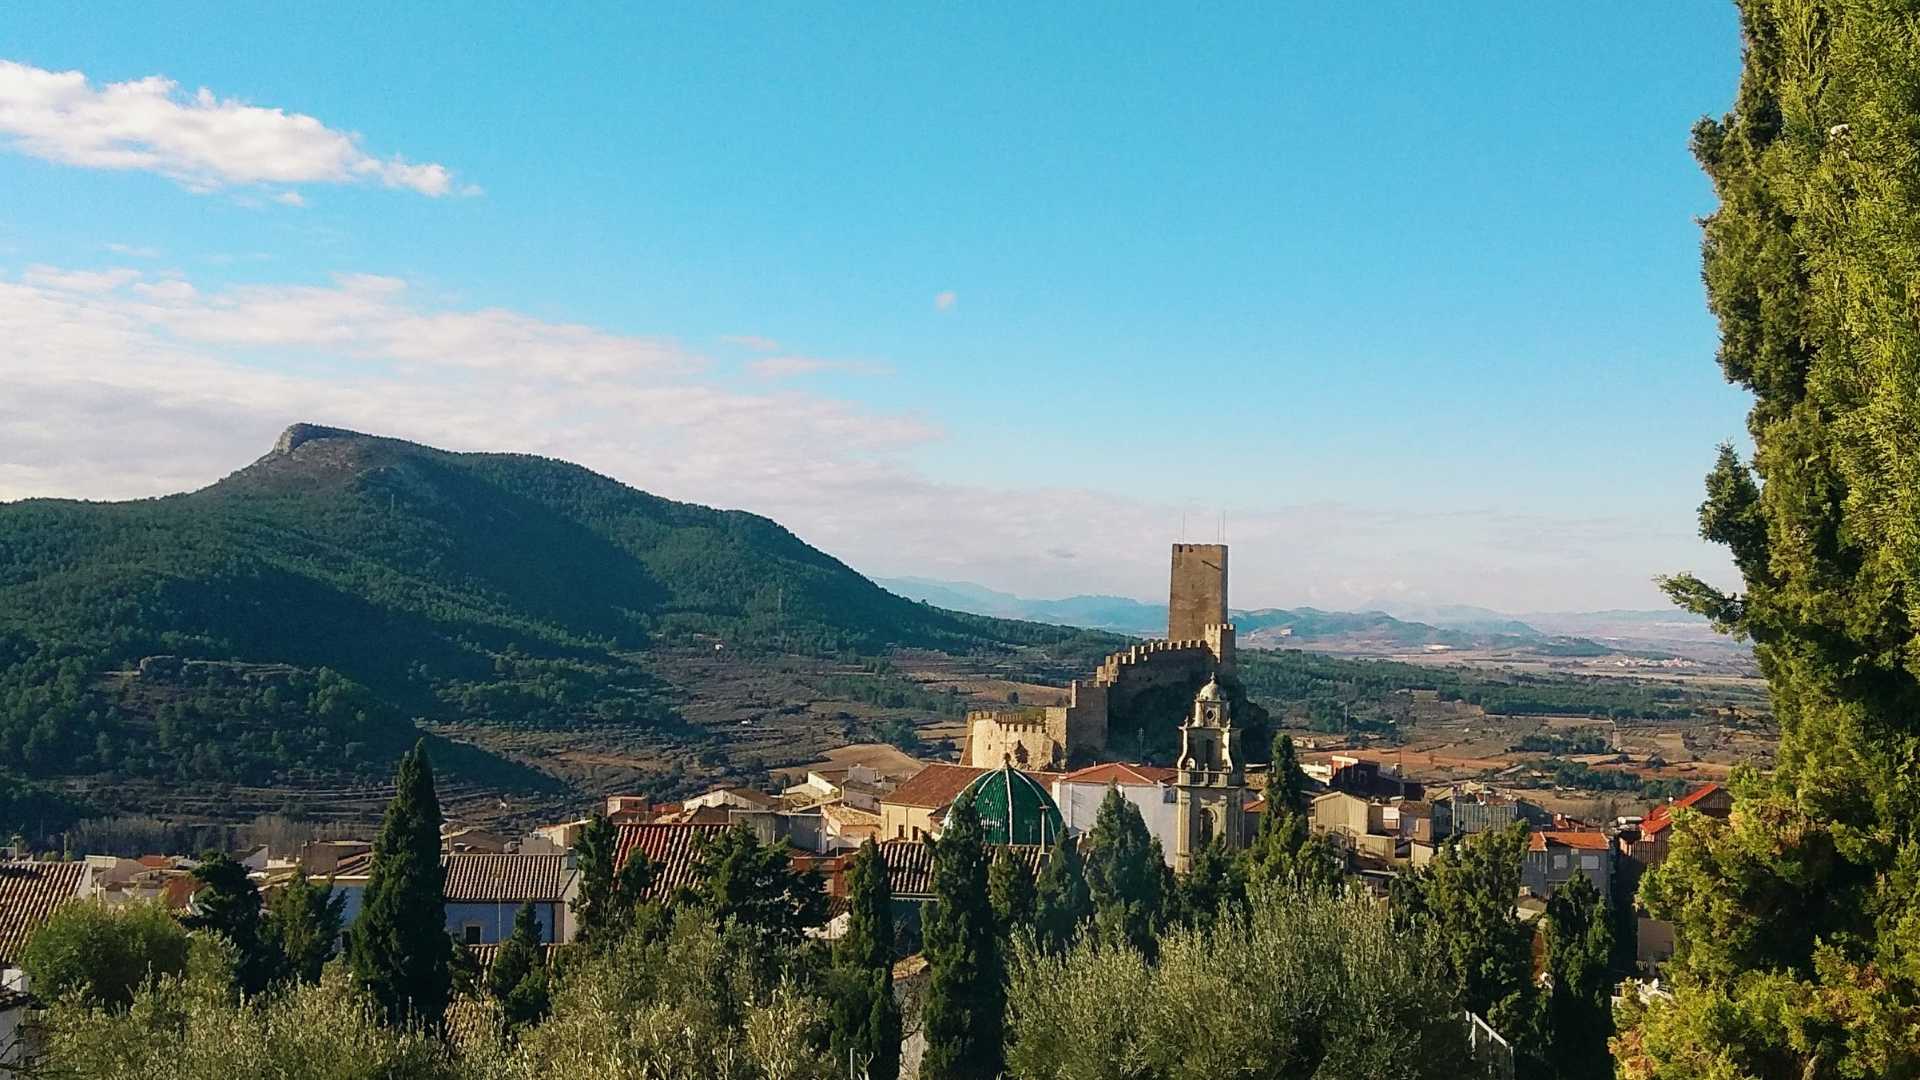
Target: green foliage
(518, 978)
(1584, 742)
(1126, 875)
(1285, 849)
(1215, 885)
(1011, 891)
(1062, 902)
(1468, 893)
(866, 1018)
(227, 903)
(304, 923)
(1579, 1014)
(1306, 983)
(1809, 266)
(1287, 786)
(398, 948)
(963, 1013)
(594, 906)
(100, 955)
(741, 880)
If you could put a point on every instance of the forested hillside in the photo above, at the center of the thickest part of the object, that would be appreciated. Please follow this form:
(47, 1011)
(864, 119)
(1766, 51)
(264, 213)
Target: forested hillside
(307, 607)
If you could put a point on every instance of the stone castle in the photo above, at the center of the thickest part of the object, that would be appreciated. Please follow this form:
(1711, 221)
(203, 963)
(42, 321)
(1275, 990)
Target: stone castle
(1198, 647)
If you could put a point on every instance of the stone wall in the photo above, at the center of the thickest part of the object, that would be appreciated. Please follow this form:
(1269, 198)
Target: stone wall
(1029, 739)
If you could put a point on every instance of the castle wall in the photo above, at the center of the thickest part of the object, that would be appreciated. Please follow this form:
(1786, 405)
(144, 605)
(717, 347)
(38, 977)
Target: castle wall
(1028, 739)
(1197, 594)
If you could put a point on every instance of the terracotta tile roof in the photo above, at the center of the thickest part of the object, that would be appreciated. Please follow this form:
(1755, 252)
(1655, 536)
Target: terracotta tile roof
(29, 893)
(1114, 772)
(910, 866)
(1538, 840)
(673, 848)
(1662, 816)
(483, 878)
(485, 954)
(1257, 806)
(934, 786)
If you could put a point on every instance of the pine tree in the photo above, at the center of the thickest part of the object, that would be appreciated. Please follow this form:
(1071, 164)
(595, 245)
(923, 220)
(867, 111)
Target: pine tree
(1470, 888)
(228, 903)
(1062, 904)
(755, 885)
(1125, 875)
(1797, 922)
(1011, 890)
(1217, 879)
(1579, 936)
(964, 1013)
(398, 949)
(518, 979)
(865, 1019)
(305, 921)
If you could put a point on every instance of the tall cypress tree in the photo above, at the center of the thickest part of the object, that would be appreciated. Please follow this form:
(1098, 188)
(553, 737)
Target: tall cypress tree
(866, 1023)
(1062, 904)
(1797, 921)
(593, 905)
(1011, 891)
(1286, 783)
(1579, 936)
(518, 979)
(398, 949)
(1125, 875)
(964, 1013)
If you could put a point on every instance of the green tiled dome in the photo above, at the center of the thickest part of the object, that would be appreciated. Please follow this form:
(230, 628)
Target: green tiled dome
(1014, 808)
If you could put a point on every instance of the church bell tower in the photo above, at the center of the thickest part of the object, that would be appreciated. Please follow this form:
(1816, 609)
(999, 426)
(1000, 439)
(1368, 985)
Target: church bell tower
(1211, 781)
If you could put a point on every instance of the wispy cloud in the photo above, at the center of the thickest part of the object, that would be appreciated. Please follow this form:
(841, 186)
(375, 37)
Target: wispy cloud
(751, 342)
(945, 301)
(134, 251)
(119, 383)
(787, 367)
(203, 142)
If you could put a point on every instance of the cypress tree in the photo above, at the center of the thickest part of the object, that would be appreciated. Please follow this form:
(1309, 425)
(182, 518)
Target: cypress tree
(1797, 922)
(1470, 888)
(964, 1013)
(1062, 904)
(1125, 875)
(1286, 783)
(593, 906)
(398, 949)
(755, 885)
(1579, 936)
(518, 979)
(1216, 880)
(866, 1022)
(305, 922)
(228, 903)
(1011, 891)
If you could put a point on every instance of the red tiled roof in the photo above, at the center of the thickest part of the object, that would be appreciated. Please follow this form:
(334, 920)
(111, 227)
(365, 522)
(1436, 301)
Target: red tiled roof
(672, 848)
(484, 878)
(1586, 841)
(934, 786)
(1114, 772)
(910, 865)
(29, 893)
(1662, 816)
(486, 954)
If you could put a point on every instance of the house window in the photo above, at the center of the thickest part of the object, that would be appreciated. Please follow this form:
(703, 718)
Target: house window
(1559, 862)
(471, 933)
(1589, 862)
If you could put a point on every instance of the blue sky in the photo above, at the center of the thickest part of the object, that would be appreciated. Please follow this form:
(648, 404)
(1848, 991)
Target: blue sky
(1410, 293)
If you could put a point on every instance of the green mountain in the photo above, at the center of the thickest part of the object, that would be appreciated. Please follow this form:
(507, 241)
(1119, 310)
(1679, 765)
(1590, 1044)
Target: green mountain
(300, 613)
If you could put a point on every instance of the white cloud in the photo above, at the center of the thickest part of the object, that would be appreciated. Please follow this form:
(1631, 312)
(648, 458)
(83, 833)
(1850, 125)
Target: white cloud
(116, 384)
(200, 141)
(752, 342)
(787, 367)
(946, 300)
(134, 251)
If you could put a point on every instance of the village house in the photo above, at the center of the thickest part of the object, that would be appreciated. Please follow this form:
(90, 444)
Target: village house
(1357, 824)
(486, 891)
(1149, 788)
(1555, 856)
(30, 892)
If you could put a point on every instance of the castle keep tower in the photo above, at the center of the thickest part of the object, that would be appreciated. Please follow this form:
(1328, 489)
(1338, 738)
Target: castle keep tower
(1210, 784)
(1197, 595)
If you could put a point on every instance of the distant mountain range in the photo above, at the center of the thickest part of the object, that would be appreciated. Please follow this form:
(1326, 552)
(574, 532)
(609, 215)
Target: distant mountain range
(1456, 626)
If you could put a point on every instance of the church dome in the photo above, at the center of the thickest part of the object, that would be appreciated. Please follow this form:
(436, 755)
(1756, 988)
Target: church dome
(1014, 808)
(1210, 692)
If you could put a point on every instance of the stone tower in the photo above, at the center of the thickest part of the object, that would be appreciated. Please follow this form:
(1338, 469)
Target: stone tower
(1197, 595)
(1211, 781)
